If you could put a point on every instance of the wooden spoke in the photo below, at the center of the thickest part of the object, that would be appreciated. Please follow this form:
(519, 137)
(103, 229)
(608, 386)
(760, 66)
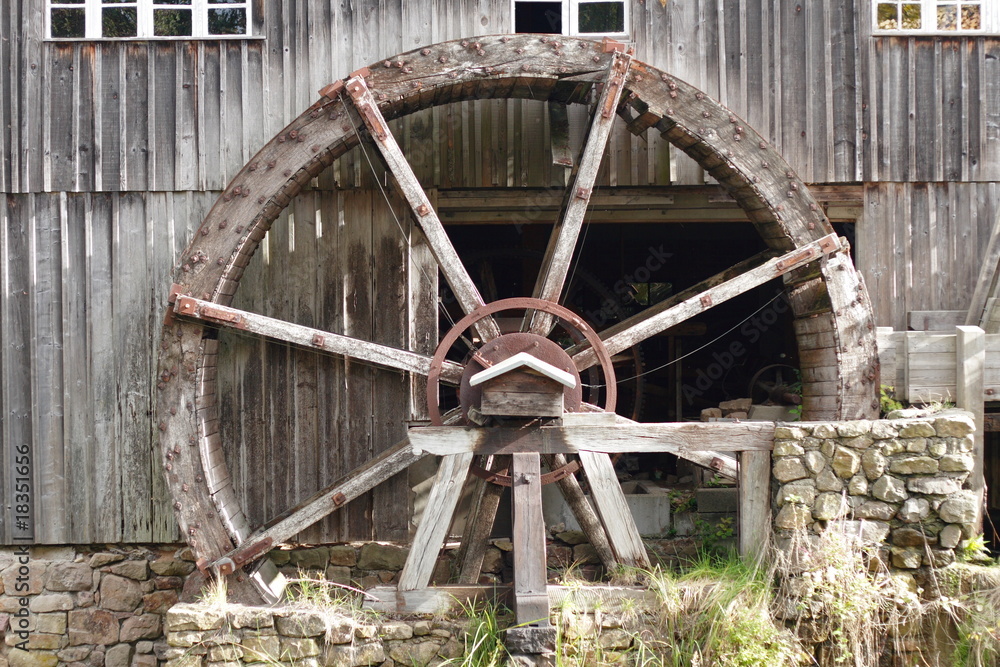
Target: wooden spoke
(444, 252)
(319, 505)
(706, 294)
(589, 522)
(314, 339)
(562, 242)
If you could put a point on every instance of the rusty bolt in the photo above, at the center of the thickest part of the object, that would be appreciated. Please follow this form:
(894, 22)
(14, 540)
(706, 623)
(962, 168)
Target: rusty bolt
(544, 40)
(199, 479)
(261, 199)
(159, 385)
(286, 173)
(186, 268)
(525, 68)
(506, 39)
(173, 411)
(732, 119)
(443, 59)
(558, 52)
(664, 78)
(253, 166)
(705, 114)
(781, 207)
(293, 134)
(673, 93)
(314, 148)
(811, 225)
(192, 440)
(184, 488)
(177, 506)
(423, 210)
(790, 174)
(597, 59)
(737, 137)
(191, 530)
(281, 139)
(452, 75)
(762, 145)
(794, 186)
(271, 164)
(765, 165)
(813, 207)
(314, 114)
(169, 467)
(415, 84)
(477, 46)
(223, 224)
(382, 97)
(699, 96)
(465, 43)
(239, 229)
(408, 69)
(672, 86)
(425, 52)
(386, 64)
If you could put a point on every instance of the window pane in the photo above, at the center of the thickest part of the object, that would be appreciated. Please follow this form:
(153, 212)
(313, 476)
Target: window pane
(67, 2)
(119, 2)
(947, 17)
(172, 2)
(172, 22)
(971, 18)
(888, 16)
(911, 17)
(118, 22)
(602, 17)
(226, 2)
(227, 22)
(538, 17)
(69, 22)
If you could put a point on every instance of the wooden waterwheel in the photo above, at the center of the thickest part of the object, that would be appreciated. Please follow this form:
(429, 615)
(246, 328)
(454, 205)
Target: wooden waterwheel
(833, 319)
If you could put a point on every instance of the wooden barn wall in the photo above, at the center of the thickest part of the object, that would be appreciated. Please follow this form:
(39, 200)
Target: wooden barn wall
(184, 115)
(80, 313)
(920, 245)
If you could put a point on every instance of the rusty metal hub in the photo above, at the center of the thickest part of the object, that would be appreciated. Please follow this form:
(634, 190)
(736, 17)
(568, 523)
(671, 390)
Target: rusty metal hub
(506, 346)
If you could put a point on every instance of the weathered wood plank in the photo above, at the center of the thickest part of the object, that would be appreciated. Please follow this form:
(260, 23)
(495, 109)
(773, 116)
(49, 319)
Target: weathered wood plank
(314, 339)
(531, 603)
(435, 522)
(755, 504)
(678, 438)
(614, 510)
(970, 357)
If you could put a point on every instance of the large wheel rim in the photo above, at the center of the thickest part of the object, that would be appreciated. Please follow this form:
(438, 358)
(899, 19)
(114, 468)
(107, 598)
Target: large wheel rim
(833, 315)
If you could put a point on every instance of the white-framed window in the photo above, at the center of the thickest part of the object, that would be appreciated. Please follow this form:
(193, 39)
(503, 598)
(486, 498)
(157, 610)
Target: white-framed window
(936, 17)
(571, 17)
(147, 19)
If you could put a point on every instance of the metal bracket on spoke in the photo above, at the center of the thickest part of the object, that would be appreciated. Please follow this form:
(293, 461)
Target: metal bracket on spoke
(363, 100)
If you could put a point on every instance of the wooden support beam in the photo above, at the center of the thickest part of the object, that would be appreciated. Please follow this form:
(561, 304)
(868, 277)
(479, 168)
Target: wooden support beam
(531, 601)
(559, 132)
(723, 463)
(317, 340)
(613, 509)
(970, 355)
(584, 512)
(435, 522)
(701, 297)
(479, 525)
(320, 504)
(563, 240)
(423, 211)
(442, 599)
(680, 438)
(754, 504)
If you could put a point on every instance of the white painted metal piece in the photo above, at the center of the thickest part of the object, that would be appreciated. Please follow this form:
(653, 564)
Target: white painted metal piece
(519, 360)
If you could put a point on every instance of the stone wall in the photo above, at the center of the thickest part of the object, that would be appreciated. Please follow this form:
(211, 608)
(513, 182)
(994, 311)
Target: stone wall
(201, 635)
(898, 482)
(88, 607)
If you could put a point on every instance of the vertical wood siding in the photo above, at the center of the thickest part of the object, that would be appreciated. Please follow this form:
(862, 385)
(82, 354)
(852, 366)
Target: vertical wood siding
(112, 153)
(920, 245)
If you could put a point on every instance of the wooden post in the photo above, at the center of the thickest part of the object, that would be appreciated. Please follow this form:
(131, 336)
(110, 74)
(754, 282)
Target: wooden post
(531, 598)
(755, 503)
(970, 352)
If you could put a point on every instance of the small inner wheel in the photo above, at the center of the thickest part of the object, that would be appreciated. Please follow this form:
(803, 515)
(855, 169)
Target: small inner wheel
(506, 346)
